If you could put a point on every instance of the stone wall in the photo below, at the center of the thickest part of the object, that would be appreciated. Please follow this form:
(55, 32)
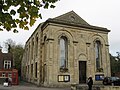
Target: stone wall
(80, 42)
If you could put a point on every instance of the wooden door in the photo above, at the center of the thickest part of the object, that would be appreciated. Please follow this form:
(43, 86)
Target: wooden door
(82, 71)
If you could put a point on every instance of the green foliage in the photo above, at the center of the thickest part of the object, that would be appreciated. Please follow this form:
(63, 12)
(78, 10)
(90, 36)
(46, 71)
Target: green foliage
(115, 64)
(27, 10)
(18, 54)
(12, 12)
(17, 51)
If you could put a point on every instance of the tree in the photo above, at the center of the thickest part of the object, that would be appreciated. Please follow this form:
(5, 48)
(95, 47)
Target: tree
(17, 51)
(115, 63)
(21, 13)
(17, 56)
(118, 55)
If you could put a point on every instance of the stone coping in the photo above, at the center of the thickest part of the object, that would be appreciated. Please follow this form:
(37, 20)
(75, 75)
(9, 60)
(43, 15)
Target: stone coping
(95, 87)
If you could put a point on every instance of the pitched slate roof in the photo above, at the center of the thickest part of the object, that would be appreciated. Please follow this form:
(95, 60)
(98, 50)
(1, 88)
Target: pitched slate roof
(72, 19)
(7, 56)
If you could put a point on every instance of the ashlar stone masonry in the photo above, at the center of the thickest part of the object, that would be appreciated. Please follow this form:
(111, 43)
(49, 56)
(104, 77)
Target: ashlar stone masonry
(66, 50)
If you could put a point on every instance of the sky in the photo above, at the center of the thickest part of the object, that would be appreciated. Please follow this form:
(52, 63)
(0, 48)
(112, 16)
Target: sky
(102, 13)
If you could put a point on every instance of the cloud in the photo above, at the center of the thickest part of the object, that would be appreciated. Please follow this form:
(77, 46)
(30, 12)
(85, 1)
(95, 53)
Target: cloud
(103, 13)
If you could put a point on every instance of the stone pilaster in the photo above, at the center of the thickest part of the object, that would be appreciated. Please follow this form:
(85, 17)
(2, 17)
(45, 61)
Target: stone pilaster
(108, 68)
(50, 66)
(88, 71)
(76, 74)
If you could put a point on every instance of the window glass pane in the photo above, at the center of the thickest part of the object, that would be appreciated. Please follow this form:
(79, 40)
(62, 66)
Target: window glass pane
(28, 69)
(7, 64)
(63, 52)
(9, 75)
(97, 50)
(3, 74)
(31, 70)
(36, 45)
(36, 70)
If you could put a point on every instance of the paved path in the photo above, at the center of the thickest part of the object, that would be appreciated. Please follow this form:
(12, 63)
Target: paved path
(28, 86)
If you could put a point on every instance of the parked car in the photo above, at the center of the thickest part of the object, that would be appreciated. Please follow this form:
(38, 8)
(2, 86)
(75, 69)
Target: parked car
(111, 81)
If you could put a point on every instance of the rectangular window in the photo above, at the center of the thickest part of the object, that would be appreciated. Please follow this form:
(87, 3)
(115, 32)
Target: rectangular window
(36, 70)
(31, 70)
(9, 75)
(36, 47)
(3, 74)
(7, 64)
(28, 69)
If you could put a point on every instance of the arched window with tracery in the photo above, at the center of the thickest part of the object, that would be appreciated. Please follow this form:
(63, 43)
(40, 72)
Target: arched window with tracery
(63, 52)
(98, 55)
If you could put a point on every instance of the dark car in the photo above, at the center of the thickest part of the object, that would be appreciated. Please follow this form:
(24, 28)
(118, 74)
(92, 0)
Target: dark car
(111, 81)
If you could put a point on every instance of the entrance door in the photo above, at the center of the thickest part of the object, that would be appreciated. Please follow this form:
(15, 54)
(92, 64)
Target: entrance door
(82, 71)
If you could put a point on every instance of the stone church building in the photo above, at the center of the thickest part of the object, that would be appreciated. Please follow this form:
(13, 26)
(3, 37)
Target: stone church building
(66, 50)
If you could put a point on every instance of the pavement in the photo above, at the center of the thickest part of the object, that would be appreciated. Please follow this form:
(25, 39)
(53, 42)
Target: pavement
(28, 86)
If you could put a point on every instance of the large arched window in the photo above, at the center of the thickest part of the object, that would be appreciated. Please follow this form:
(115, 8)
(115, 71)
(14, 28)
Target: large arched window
(98, 54)
(63, 52)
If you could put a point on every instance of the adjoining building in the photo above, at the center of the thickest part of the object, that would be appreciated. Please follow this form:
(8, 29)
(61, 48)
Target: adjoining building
(66, 50)
(6, 68)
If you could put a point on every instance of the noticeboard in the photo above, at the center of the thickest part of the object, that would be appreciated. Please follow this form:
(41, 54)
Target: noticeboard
(63, 78)
(99, 77)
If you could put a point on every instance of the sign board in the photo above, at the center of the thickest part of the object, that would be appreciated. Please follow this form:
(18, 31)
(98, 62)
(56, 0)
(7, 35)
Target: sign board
(99, 77)
(63, 78)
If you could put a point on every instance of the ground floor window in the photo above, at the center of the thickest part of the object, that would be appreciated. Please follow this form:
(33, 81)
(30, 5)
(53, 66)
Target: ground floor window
(36, 70)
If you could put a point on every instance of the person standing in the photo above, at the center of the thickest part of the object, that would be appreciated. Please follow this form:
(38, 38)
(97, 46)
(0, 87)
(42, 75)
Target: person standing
(10, 81)
(6, 80)
(90, 83)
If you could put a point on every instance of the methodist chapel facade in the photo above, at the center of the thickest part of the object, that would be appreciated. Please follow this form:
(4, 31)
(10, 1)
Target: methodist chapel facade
(65, 50)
